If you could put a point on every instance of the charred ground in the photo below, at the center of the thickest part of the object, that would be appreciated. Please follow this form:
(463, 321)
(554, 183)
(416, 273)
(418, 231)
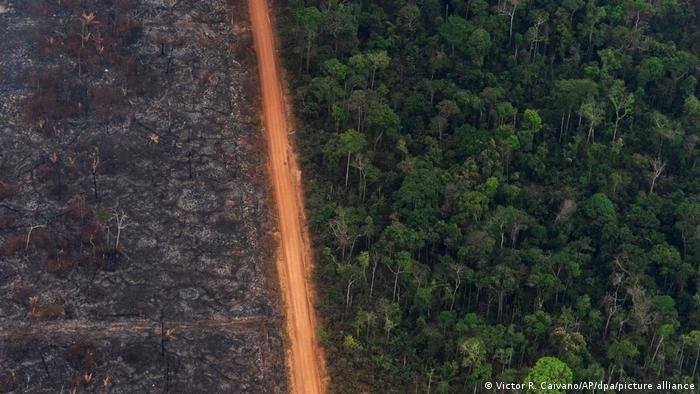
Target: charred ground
(134, 241)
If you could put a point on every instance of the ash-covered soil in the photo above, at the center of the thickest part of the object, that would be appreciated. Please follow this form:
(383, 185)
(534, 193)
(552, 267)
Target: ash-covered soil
(135, 246)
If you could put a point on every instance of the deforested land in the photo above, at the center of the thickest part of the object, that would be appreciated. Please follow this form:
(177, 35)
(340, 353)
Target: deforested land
(136, 243)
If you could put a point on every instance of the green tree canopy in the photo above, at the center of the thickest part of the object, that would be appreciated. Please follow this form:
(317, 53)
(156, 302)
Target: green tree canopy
(548, 370)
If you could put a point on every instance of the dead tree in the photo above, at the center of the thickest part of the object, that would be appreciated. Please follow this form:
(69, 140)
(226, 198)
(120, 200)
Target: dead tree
(508, 9)
(535, 39)
(457, 270)
(29, 234)
(94, 164)
(613, 303)
(121, 225)
(375, 262)
(657, 167)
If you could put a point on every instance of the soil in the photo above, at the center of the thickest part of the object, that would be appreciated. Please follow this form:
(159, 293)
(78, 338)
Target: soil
(136, 229)
(305, 358)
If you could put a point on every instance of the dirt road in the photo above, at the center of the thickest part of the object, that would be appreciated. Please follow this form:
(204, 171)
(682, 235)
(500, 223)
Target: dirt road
(305, 360)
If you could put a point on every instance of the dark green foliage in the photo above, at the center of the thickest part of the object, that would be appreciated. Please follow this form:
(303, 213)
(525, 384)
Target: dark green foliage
(494, 198)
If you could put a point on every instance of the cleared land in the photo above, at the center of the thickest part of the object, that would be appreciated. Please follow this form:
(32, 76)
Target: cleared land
(135, 229)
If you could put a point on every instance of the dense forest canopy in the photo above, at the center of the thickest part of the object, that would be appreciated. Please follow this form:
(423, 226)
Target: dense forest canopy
(501, 190)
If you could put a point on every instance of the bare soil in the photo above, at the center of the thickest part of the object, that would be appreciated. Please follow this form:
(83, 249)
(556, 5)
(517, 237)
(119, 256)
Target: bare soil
(135, 223)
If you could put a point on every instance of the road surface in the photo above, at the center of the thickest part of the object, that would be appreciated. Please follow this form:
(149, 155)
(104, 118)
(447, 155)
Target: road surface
(304, 360)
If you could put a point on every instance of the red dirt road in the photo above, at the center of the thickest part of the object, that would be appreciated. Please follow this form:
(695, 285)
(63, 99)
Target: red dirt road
(304, 360)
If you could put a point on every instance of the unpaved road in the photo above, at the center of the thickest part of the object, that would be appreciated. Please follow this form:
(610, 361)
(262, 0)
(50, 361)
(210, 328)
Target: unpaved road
(305, 360)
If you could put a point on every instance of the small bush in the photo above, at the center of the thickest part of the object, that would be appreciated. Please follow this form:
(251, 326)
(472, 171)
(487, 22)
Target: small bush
(45, 306)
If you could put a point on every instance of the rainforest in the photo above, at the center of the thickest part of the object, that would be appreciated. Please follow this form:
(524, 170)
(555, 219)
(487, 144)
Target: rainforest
(500, 190)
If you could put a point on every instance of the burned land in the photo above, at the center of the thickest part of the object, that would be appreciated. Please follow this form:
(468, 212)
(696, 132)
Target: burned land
(135, 231)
